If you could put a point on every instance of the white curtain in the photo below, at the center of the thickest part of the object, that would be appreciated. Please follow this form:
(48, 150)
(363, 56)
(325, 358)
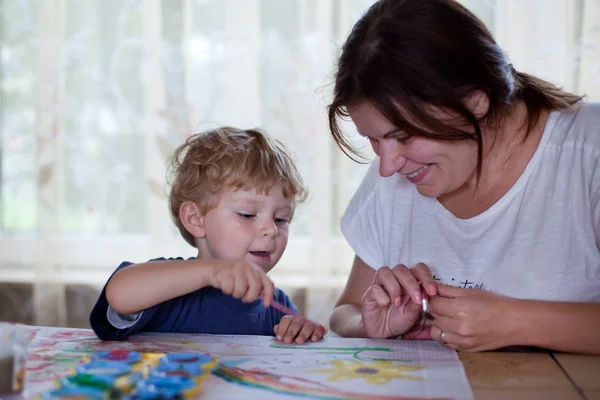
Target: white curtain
(96, 94)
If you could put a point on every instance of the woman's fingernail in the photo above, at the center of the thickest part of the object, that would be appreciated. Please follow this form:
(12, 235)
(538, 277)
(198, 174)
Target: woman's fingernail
(417, 297)
(432, 289)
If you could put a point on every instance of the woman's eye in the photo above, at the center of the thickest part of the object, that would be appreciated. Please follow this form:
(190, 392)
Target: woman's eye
(403, 139)
(246, 216)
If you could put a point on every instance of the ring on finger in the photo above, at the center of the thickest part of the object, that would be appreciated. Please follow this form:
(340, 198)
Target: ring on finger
(441, 336)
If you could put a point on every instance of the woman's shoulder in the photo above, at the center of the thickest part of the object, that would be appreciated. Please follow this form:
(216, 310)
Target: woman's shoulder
(577, 126)
(376, 198)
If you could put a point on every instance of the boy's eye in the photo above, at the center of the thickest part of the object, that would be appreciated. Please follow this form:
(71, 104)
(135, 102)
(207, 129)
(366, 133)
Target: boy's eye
(246, 216)
(281, 220)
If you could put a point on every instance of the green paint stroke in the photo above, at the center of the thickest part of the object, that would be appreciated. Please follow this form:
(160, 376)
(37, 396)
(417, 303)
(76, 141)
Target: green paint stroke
(355, 351)
(64, 360)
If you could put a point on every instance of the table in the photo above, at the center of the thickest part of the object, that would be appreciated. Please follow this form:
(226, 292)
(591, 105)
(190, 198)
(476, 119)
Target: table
(519, 375)
(493, 375)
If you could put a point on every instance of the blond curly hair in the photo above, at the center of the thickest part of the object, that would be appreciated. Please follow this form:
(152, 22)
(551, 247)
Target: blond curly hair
(224, 157)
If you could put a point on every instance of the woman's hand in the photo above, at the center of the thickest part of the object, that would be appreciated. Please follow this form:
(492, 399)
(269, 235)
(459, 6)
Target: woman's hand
(392, 304)
(472, 319)
(294, 328)
(242, 280)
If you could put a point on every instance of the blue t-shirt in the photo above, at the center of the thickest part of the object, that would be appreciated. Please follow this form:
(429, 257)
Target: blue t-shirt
(207, 310)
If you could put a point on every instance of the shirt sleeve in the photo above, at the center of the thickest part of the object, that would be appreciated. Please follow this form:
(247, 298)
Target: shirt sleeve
(361, 225)
(595, 197)
(122, 321)
(117, 327)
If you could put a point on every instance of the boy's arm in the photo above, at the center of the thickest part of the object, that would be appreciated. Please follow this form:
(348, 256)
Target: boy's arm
(141, 286)
(155, 287)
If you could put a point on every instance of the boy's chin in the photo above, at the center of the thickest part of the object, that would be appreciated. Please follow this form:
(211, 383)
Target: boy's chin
(265, 263)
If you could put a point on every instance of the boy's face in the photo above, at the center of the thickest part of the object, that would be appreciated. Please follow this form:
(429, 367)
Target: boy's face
(248, 225)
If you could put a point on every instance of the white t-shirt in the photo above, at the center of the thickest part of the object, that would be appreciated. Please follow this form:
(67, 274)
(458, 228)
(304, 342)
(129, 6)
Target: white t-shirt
(541, 240)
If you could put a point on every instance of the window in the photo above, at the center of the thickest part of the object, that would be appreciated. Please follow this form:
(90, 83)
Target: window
(97, 93)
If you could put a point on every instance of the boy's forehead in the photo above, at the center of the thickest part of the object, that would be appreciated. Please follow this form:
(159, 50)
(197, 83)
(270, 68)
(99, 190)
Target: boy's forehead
(256, 195)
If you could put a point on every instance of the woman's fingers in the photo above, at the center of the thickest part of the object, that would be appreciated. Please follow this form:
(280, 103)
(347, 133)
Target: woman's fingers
(442, 336)
(446, 323)
(418, 332)
(377, 294)
(442, 306)
(408, 282)
(386, 279)
(452, 339)
(401, 279)
(424, 275)
(454, 291)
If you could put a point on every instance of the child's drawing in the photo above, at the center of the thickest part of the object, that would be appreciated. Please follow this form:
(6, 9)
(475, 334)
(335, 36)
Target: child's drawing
(260, 367)
(376, 372)
(294, 385)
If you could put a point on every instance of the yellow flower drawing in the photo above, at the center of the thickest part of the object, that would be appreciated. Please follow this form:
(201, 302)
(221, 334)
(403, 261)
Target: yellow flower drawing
(376, 372)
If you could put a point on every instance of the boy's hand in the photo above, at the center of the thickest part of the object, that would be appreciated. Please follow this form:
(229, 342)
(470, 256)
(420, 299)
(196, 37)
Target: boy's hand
(295, 327)
(242, 280)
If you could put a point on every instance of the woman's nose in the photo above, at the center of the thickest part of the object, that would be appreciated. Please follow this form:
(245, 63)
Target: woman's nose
(391, 159)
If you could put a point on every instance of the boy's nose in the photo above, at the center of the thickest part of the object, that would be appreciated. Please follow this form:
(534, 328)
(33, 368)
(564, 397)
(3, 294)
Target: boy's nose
(268, 229)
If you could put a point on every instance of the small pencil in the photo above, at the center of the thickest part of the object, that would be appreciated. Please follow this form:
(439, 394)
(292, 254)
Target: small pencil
(288, 311)
(278, 306)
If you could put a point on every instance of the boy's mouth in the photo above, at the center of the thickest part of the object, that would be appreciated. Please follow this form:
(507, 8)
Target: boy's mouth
(260, 253)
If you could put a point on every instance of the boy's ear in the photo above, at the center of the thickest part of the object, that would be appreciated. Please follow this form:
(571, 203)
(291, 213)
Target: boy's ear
(192, 219)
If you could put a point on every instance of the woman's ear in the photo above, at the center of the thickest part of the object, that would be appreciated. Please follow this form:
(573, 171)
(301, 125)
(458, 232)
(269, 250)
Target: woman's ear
(478, 102)
(192, 219)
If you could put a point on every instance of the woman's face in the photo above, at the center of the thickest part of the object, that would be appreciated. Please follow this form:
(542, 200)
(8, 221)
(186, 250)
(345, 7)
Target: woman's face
(436, 167)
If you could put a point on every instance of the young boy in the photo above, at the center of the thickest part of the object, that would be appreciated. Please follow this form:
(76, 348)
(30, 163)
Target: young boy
(233, 197)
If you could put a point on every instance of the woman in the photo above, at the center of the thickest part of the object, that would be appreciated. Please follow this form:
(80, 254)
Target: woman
(485, 196)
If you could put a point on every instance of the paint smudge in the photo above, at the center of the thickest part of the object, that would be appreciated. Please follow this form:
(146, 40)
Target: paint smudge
(296, 386)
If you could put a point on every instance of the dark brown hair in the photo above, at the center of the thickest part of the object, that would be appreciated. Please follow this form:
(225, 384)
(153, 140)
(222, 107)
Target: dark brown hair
(210, 161)
(409, 53)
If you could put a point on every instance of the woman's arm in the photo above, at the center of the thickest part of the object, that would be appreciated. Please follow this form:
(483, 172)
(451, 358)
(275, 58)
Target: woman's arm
(561, 326)
(346, 319)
